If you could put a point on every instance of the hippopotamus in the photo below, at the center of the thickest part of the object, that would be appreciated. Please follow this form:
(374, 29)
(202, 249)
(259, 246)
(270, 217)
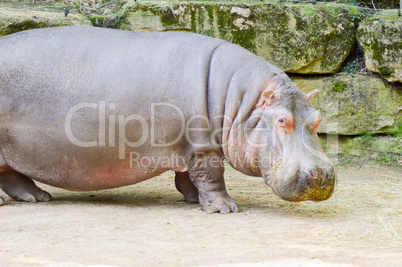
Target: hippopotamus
(85, 108)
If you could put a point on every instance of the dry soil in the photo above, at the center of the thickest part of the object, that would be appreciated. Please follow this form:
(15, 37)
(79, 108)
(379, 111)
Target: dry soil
(149, 224)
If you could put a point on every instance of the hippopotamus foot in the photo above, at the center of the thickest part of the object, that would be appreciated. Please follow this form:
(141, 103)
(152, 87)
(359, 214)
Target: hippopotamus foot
(207, 176)
(219, 202)
(22, 188)
(186, 187)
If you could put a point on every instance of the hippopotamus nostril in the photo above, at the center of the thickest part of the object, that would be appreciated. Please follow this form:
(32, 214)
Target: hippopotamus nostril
(311, 173)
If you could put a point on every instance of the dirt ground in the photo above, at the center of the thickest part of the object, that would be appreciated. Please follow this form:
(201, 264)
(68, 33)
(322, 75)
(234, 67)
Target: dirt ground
(149, 224)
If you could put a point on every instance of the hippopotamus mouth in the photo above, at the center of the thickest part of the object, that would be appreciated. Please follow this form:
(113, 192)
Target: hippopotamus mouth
(316, 184)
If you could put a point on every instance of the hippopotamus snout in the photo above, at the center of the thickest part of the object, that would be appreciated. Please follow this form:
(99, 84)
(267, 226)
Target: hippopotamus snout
(318, 177)
(310, 183)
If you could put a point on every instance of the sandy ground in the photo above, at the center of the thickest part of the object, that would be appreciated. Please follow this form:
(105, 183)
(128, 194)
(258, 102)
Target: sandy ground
(149, 224)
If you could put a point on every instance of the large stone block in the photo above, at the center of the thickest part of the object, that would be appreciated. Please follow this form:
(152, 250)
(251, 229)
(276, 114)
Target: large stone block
(298, 38)
(381, 39)
(354, 105)
(19, 17)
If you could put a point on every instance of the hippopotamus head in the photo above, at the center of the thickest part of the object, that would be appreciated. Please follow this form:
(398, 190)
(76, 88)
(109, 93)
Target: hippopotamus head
(277, 139)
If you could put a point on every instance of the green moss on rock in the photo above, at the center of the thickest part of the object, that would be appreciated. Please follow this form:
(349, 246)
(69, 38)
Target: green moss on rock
(383, 149)
(339, 86)
(354, 105)
(381, 39)
(297, 38)
(96, 20)
(13, 19)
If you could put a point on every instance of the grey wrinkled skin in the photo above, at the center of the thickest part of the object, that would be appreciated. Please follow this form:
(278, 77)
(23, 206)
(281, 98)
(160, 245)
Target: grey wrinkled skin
(46, 72)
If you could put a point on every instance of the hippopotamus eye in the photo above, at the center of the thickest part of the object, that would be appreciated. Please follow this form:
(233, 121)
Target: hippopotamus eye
(281, 121)
(284, 120)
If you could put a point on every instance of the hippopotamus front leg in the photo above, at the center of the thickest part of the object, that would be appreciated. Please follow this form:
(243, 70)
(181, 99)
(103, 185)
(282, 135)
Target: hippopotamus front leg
(186, 187)
(206, 173)
(21, 188)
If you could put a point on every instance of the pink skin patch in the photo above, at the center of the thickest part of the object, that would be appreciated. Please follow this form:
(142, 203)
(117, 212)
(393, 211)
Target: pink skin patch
(284, 120)
(316, 122)
(269, 97)
(311, 95)
(313, 174)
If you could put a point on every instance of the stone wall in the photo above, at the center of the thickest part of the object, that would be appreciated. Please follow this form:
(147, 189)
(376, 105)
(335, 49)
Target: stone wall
(296, 38)
(302, 39)
(379, 3)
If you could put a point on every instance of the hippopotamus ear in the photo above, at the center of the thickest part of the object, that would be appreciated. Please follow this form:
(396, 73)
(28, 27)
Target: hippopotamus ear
(267, 98)
(311, 95)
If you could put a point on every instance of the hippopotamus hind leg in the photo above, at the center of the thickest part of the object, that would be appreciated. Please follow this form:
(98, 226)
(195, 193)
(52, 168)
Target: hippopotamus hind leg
(186, 187)
(21, 188)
